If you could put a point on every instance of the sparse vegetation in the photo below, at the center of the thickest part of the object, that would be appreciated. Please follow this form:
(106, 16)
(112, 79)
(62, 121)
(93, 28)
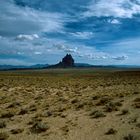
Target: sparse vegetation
(138, 125)
(13, 105)
(47, 113)
(95, 97)
(65, 129)
(104, 100)
(2, 124)
(111, 131)
(111, 106)
(75, 103)
(16, 131)
(23, 111)
(97, 114)
(136, 103)
(7, 114)
(3, 136)
(131, 137)
(136, 92)
(39, 127)
(124, 111)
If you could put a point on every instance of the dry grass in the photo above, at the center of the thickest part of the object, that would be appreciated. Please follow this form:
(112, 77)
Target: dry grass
(71, 104)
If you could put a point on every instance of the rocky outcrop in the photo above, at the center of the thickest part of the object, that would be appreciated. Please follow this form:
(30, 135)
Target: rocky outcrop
(66, 62)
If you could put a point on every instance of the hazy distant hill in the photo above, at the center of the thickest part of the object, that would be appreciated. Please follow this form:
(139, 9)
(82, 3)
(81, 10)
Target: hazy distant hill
(66, 62)
(9, 67)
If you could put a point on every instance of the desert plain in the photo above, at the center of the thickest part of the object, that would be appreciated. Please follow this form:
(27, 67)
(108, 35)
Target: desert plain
(70, 104)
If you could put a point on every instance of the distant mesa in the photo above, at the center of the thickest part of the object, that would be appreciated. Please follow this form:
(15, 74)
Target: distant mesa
(67, 62)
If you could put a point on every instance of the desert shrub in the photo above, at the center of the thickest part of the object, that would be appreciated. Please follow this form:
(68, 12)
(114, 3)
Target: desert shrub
(111, 107)
(34, 120)
(133, 120)
(32, 108)
(137, 100)
(138, 125)
(136, 92)
(38, 98)
(79, 106)
(93, 112)
(103, 101)
(121, 96)
(65, 129)
(124, 111)
(61, 109)
(97, 114)
(47, 114)
(74, 101)
(7, 114)
(14, 104)
(3, 136)
(95, 97)
(39, 127)
(118, 103)
(137, 103)
(63, 115)
(23, 111)
(2, 124)
(16, 131)
(131, 137)
(111, 131)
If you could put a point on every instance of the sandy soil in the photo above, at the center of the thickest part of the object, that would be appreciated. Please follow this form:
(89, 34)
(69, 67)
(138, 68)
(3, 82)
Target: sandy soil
(81, 104)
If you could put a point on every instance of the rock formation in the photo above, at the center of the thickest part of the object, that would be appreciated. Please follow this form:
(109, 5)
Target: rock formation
(66, 62)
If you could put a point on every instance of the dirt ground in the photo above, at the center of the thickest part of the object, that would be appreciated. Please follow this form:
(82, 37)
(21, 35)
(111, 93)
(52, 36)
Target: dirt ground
(71, 104)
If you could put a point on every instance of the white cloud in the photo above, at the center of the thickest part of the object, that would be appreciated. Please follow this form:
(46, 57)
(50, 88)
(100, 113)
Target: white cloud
(88, 52)
(114, 21)
(16, 20)
(120, 58)
(115, 8)
(23, 37)
(82, 35)
(65, 48)
(95, 55)
(37, 53)
(20, 53)
(85, 52)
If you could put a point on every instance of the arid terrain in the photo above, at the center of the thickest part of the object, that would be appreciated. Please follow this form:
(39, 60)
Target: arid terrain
(70, 104)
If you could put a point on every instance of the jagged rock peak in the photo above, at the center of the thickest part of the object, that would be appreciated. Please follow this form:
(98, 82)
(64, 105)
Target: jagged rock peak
(68, 61)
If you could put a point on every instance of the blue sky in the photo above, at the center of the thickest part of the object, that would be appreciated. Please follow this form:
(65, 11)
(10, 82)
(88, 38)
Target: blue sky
(101, 32)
